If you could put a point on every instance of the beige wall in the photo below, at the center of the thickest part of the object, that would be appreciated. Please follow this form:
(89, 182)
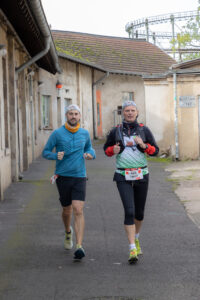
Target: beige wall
(188, 123)
(111, 95)
(160, 112)
(86, 99)
(47, 88)
(77, 86)
(160, 115)
(5, 153)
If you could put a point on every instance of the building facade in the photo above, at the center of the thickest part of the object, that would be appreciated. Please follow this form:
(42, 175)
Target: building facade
(21, 59)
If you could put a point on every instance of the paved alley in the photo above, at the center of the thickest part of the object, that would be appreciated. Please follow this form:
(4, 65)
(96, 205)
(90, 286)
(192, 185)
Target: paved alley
(34, 264)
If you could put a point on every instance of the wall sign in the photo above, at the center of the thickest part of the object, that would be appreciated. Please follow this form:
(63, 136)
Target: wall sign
(187, 101)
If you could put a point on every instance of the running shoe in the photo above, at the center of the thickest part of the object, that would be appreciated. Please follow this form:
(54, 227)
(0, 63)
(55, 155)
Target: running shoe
(68, 242)
(79, 253)
(133, 256)
(139, 250)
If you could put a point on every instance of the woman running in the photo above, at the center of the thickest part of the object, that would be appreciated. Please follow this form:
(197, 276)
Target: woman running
(130, 142)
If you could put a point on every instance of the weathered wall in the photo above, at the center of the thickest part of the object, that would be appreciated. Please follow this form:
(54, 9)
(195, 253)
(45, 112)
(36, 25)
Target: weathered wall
(112, 88)
(47, 87)
(159, 112)
(86, 98)
(77, 88)
(188, 121)
(5, 151)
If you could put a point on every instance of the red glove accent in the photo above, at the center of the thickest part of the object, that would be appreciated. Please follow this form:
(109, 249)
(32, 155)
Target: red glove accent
(150, 150)
(110, 151)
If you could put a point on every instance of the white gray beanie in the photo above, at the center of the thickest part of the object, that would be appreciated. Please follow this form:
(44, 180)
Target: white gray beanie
(72, 107)
(128, 103)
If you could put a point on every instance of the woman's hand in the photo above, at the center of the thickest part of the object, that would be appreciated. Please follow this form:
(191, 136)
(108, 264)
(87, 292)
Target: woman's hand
(116, 149)
(140, 142)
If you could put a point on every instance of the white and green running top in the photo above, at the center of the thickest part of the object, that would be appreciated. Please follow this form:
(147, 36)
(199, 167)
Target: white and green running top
(131, 157)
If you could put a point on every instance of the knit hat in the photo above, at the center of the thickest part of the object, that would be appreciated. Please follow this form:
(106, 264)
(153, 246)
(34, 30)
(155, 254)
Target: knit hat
(128, 103)
(72, 107)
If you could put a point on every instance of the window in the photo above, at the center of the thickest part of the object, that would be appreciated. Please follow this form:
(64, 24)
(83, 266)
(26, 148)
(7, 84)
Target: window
(46, 111)
(68, 101)
(127, 96)
(119, 110)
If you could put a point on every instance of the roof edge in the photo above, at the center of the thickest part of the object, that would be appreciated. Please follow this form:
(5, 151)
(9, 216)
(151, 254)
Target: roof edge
(97, 35)
(39, 14)
(185, 64)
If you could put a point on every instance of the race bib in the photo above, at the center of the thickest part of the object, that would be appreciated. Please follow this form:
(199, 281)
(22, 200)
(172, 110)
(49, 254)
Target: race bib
(133, 174)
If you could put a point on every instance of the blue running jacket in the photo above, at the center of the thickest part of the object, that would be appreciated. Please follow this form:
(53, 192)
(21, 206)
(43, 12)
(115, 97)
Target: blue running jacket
(74, 145)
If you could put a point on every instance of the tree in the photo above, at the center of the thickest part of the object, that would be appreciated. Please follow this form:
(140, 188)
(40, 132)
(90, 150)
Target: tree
(188, 38)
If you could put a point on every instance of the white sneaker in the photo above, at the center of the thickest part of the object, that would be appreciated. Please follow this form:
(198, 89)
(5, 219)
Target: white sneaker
(68, 242)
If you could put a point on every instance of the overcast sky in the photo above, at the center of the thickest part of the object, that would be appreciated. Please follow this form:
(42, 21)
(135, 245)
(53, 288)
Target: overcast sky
(107, 17)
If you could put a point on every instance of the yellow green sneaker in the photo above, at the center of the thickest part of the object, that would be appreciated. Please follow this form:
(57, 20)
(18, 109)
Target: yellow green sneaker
(133, 256)
(68, 242)
(139, 250)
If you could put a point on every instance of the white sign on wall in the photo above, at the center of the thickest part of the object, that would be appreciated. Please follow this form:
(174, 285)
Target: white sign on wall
(187, 101)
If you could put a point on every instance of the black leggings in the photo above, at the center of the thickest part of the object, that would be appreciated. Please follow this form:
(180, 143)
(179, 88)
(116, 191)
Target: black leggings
(133, 196)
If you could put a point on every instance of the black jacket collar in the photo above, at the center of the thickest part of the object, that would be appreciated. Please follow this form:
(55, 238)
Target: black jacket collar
(130, 125)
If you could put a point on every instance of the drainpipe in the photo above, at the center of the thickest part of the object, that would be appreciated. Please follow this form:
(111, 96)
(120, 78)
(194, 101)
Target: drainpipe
(17, 71)
(175, 116)
(94, 103)
(36, 57)
(39, 14)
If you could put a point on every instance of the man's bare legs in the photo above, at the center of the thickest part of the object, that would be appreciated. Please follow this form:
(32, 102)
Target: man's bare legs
(66, 217)
(79, 221)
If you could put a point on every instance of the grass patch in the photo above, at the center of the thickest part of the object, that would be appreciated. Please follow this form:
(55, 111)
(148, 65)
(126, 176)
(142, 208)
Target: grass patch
(173, 179)
(175, 183)
(165, 160)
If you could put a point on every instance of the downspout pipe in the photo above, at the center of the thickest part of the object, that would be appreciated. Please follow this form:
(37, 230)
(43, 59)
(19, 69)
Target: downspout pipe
(175, 116)
(94, 105)
(24, 66)
(39, 14)
(36, 57)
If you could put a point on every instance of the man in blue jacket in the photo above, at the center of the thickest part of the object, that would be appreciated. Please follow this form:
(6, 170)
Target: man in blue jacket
(72, 146)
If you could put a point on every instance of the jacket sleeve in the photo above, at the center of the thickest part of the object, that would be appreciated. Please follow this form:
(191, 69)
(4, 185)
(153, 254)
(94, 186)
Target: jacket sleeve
(110, 142)
(50, 145)
(88, 147)
(152, 149)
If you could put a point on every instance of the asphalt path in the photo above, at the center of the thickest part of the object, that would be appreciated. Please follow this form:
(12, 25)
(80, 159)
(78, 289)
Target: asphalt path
(35, 265)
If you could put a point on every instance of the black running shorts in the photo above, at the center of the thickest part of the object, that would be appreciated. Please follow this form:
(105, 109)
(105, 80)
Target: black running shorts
(71, 188)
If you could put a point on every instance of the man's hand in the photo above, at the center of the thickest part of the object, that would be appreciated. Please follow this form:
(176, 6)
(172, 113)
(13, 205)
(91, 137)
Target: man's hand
(87, 156)
(60, 155)
(116, 149)
(140, 142)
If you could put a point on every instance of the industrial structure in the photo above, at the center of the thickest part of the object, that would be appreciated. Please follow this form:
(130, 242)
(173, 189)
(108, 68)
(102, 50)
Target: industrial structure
(143, 28)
